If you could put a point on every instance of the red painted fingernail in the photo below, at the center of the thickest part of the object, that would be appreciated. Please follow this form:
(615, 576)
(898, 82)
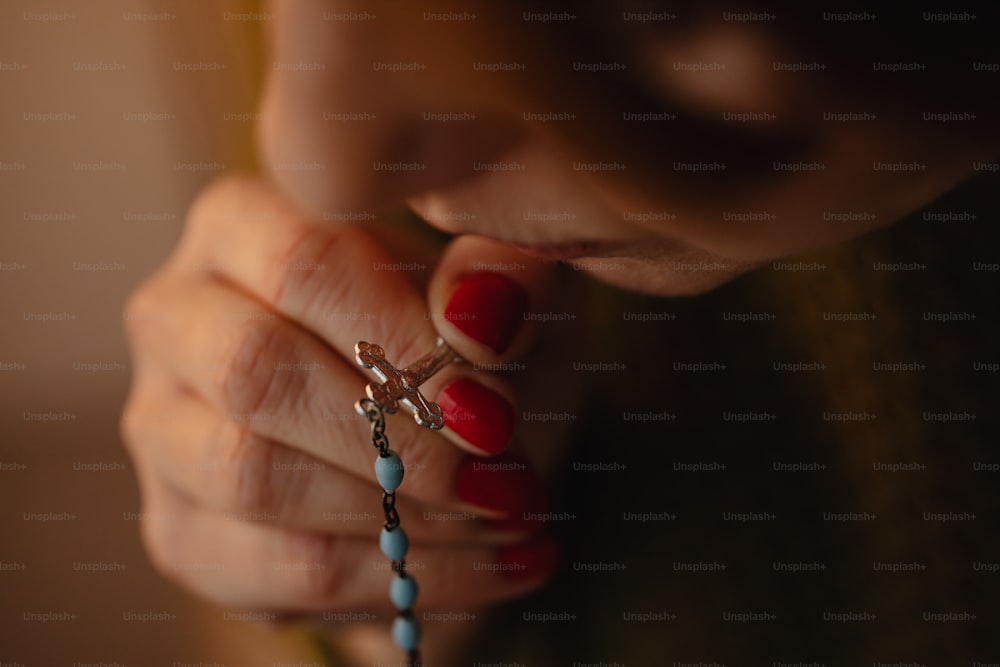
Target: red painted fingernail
(530, 519)
(531, 559)
(479, 415)
(503, 484)
(488, 308)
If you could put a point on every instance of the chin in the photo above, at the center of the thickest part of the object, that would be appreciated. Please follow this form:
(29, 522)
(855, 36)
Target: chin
(664, 277)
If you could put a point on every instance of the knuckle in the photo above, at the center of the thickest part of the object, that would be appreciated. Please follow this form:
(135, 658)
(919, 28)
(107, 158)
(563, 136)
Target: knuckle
(311, 572)
(313, 266)
(131, 426)
(161, 541)
(248, 484)
(223, 201)
(173, 554)
(217, 198)
(316, 271)
(142, 307)
(246, 381)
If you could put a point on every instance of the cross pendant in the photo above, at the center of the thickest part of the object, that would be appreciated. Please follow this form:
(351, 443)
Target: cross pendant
(401, 385)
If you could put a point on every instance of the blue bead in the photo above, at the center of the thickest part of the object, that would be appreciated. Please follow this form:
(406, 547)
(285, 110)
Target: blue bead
(389, 471)
(406, 633)
(394, 543)
(403, 591)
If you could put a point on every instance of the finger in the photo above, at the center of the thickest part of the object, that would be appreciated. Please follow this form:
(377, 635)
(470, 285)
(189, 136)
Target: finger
(485, 296)
(255, 566)
(332, 278)
(337, 282)
(227, 468)
(274, 379)
(482, 296)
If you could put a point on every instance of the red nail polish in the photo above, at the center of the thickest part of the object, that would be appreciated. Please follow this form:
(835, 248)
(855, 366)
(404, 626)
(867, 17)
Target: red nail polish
(531, 518)
(479, 415)
(503, 484)
(528, 560)
(489, 308)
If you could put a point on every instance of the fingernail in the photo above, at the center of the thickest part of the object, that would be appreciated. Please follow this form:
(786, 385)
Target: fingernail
(488, 308)
(479, 415)
(504, 484)
(531, 518)
(529, 559)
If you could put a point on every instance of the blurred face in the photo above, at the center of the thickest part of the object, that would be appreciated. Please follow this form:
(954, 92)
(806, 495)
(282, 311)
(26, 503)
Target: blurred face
(661, 152)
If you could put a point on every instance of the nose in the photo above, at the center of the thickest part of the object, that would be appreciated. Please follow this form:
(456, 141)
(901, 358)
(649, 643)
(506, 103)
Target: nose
(362, 108)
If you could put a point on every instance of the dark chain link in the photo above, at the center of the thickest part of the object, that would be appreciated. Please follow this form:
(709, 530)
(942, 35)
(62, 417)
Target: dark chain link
(380, 441)
(373, 412)
(389, 509)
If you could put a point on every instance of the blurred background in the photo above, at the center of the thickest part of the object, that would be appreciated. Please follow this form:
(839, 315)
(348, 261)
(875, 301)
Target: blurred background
(113, 114)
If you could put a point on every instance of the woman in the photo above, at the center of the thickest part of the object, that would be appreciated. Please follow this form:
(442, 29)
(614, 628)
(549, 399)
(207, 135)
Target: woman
(664, 152)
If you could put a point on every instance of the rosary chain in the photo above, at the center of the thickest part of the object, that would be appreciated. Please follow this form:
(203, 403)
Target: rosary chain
(380, 441)
(373, 412)
(389, 509)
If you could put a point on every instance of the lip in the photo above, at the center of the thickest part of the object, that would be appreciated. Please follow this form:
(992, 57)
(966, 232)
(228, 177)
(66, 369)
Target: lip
(564, 251)
(553, 252)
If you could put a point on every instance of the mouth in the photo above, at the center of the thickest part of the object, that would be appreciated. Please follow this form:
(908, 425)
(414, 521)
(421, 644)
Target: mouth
(565, 251)
(552, 252)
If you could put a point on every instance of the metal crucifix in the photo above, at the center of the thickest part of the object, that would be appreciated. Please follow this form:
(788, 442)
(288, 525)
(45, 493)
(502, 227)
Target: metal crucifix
(401, 386)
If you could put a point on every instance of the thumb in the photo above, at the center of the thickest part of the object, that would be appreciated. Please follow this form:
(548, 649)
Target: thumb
(481, 297)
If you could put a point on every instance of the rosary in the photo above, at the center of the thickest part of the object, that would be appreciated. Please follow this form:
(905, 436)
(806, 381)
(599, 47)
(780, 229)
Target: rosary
(399, 387)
